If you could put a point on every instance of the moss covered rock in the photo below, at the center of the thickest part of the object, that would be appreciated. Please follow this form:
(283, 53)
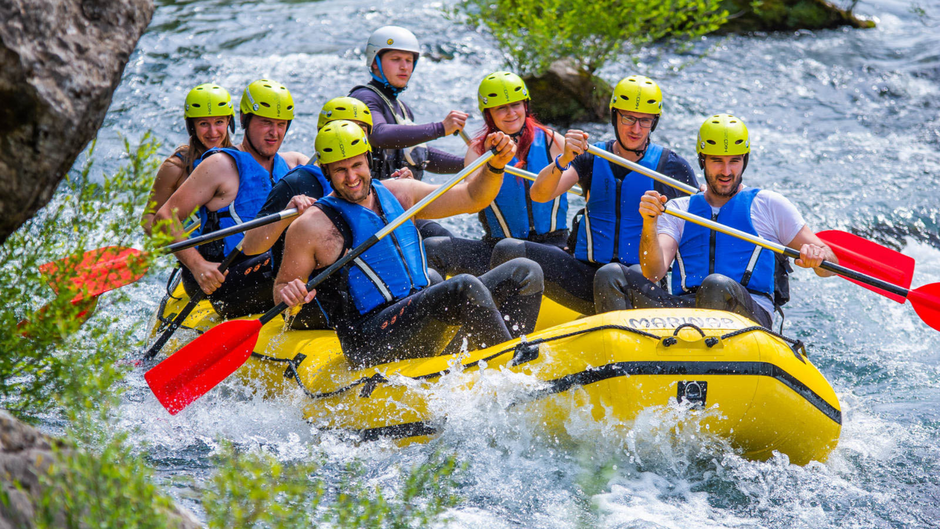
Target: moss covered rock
(565, 94)
(787, 15)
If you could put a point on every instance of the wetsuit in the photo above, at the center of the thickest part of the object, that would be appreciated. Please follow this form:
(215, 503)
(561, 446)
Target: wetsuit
(569, 279)
(250, 280)
(399, 142)
(714, 270)
(512, 214)
(383, 309)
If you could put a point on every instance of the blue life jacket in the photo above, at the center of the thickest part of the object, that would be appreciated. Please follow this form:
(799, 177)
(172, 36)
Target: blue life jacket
(254, 184)
(703, 251)
(315, 173)
(610, 230)
(513, 213)
(394, 267)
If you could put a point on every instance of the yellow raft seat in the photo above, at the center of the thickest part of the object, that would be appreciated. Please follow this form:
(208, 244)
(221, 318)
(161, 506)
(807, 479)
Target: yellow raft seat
(757, 389)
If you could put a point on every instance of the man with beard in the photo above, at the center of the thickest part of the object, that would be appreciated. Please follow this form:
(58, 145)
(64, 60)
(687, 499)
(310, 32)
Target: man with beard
(383, 306)
(609, 230)
(714, 270)
(228, 188)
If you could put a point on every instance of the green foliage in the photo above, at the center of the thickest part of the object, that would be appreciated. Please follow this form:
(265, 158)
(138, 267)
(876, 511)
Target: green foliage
(45, 352)
(256, 490)
(535, 33)
(106, 486)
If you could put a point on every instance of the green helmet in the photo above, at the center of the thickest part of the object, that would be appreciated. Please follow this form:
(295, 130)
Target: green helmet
(501, 88)
(268, 99)
(340, 140)
(637, 94)
(208, 100)
(346, 108)
(723, 135)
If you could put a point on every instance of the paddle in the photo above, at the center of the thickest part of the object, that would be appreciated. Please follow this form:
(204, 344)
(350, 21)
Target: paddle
(871, 258)
(522, 173)
(195, 369)
(183, 314)
(926, 299)
(112, 267)
(853, 251)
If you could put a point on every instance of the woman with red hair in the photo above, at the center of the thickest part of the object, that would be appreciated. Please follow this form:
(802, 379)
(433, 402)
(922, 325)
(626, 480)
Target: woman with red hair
(504, 102)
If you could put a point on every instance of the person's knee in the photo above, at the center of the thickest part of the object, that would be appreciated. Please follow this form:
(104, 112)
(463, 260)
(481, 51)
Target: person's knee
(717, 290)
(527, 274)
(468, 288)
(506, 250)
(609, 277)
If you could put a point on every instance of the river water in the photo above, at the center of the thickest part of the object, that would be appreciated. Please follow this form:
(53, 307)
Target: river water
(843, 122)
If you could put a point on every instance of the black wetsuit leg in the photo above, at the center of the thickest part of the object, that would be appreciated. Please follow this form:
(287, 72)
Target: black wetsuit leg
(430, 228)
(452, 256)
(568, 281)
(621, 287)
(723, 293)
(617, 287)
(248, 287)
(421, 325)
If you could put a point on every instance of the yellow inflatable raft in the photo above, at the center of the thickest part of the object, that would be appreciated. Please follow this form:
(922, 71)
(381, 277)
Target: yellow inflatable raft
(757, 389)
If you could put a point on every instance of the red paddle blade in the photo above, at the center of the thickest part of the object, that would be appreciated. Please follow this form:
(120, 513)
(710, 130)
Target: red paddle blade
(926, 301)
(200, 366)
(98, 271)
(86, 309)
(871, 258)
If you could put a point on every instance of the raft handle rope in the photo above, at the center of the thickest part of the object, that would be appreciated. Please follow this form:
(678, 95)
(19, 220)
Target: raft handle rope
(672, 340)
(797, 346)
(522, 352)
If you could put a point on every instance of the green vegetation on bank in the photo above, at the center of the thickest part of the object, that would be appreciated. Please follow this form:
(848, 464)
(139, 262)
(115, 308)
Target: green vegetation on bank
(65, 367)
(535, 33)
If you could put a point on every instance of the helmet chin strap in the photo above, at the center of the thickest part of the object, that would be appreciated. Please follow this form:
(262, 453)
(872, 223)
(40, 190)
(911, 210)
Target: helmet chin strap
(383, 80)
(638, 152)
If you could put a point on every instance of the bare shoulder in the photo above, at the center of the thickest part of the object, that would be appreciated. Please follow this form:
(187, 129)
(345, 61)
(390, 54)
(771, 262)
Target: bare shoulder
(215, 168)
(294, 158)
(409, 191)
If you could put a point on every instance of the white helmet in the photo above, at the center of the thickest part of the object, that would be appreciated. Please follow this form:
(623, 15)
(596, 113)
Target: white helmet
(391, 38)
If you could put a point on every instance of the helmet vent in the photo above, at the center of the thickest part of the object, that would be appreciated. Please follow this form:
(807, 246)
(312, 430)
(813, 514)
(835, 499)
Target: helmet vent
(290, 107)
(265, 105)
(222, 103)
(341, 108)
(200, 88)
(517, 89)
(197, 105)
(651, 101)
(355, 142)
(631, 80)
(327, 149)
(268, 86)
(711, 142)
(738, 142)
(492, 95)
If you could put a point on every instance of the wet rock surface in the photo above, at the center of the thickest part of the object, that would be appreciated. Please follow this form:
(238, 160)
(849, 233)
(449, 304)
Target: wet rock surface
(25, 454)
(60, 62)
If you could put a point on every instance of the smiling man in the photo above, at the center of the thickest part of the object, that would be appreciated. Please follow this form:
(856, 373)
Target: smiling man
(382, 305)
(714, 270)
(609, 231)
(227, 188)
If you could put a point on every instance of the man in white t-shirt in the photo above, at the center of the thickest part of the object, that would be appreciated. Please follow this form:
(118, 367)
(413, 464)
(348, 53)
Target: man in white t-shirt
(714, 270)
